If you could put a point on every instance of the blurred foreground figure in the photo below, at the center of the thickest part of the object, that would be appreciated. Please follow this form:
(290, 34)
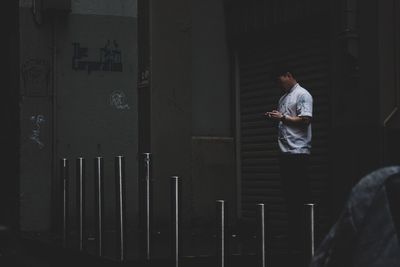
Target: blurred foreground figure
(368, 230)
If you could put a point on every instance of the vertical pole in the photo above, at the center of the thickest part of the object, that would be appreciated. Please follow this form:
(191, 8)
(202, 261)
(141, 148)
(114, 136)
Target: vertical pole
(261, 235)
(80, 184)
(64, 177)
(148, 204)
(310, 230)
(175, 216)
(221, 233)
(99, 203)
(121, 220)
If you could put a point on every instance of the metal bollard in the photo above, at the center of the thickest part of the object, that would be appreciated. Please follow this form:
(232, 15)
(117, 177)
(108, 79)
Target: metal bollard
(147, 205)
(261, 235)
(99, 203)
(175, 216)
(221, 233)
(310, 230)
(121, 212)
(80, 201)
(64, 176)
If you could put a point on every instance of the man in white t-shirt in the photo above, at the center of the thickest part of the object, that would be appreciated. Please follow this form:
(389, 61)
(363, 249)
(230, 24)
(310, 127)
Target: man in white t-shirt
(294, 116)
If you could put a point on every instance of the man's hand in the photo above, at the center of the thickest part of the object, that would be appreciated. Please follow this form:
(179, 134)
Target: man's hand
(275, 115)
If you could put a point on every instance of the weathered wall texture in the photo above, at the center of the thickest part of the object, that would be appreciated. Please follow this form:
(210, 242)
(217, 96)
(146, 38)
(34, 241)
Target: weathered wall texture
(78, 87)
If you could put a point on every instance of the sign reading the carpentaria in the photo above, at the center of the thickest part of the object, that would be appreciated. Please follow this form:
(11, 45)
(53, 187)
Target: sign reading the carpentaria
(110, 58)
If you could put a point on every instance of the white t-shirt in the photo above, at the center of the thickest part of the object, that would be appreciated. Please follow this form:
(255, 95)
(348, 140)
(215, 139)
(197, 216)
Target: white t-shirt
(295, 139)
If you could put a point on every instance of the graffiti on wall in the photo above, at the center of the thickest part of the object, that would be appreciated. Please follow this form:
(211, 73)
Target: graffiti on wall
(35, 77)
(110, 58)
(35, 136)
(118, 100)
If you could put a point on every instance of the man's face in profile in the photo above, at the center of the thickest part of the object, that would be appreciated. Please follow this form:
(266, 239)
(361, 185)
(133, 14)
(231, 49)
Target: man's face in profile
(284, 81)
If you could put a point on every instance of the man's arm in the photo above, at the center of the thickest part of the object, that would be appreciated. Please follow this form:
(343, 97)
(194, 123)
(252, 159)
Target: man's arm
(293, 120)
(296, 120)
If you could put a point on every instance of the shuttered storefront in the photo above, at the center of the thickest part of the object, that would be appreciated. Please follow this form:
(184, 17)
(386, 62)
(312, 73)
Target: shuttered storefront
(259, 149)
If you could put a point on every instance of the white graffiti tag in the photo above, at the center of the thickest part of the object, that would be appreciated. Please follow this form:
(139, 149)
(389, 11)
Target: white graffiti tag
(35, 136)
(118, 100)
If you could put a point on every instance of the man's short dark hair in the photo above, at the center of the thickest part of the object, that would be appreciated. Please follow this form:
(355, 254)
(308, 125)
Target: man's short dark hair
(281, 69)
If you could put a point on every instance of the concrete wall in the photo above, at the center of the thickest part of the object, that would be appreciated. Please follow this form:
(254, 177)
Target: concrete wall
(97, 109)
(36, 119)
(171, 74)
(389, 82)
(213, 178)
(212, 97)
(89, 109)
(10, 141)
(213, 145)
(190, 110)
(354, 140)
(388, 59)
(363, 99)
(78, 81)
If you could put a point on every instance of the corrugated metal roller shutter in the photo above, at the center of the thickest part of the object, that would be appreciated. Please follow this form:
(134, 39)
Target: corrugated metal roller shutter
(259, 149)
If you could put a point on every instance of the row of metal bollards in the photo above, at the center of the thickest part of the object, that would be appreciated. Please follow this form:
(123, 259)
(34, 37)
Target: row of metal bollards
(222, 222)
(146, 218)
(99, 203)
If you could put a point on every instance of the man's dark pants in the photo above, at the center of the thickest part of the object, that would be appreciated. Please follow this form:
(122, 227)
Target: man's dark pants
(296, 189)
